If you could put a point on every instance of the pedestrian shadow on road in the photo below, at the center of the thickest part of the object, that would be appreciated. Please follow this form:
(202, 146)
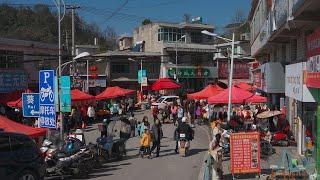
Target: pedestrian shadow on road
(195, 151)
(91, 176)
(247, 176)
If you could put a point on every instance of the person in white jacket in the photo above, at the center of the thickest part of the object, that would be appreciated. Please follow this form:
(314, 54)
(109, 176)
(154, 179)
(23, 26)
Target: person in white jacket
(91, 114)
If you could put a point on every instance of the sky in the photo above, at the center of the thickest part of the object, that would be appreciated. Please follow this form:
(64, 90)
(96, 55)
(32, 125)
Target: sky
(125, 15)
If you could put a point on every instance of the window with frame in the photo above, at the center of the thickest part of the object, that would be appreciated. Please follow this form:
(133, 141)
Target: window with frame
(11, 59)
(120, 67)
(167, 34)
(196, 37)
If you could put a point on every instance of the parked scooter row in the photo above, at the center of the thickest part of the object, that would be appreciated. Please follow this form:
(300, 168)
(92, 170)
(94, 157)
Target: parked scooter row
(71, 158)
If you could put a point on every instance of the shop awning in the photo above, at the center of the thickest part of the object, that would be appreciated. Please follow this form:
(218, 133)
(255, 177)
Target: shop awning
(11, 126)
(114, 92)
(209, 91)
(17, 103)
(77, 95)
(165, 83)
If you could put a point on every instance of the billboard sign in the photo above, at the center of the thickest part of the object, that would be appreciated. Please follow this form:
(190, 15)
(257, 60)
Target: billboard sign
(141, 74)
(245, 153)
(65, 98)
(294, 81)
(47, 113)
(12, 81)
(313, 64)
(30, 104)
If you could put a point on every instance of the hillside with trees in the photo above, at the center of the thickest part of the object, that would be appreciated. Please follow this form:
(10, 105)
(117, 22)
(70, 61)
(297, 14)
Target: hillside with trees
(39, 23)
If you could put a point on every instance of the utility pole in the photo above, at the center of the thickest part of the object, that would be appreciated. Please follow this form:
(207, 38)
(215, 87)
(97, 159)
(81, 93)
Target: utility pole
(73, 8)
(60, 54)
(73, 53)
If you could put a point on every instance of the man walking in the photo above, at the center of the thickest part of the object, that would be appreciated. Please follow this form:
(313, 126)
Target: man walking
(91, 114)
(156, 136)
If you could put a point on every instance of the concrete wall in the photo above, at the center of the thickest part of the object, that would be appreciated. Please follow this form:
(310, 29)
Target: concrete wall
(148, 33)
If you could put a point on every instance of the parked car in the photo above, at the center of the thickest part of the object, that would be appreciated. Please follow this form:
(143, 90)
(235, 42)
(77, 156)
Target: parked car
(20, 158)
(163, 100)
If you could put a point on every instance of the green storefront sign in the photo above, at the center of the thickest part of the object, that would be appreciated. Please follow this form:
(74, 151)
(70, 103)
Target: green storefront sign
(189, 72)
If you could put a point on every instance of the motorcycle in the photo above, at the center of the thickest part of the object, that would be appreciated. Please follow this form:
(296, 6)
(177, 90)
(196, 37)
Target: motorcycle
(109, 149)
(283, 138)
(73, 158)
(183, 145)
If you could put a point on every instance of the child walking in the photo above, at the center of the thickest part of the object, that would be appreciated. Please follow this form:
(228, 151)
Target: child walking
(145, 143)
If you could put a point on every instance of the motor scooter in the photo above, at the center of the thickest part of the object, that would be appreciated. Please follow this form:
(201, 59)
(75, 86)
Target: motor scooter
(283, 138)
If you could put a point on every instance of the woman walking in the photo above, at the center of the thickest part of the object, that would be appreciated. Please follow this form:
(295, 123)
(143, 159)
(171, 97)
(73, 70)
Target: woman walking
(156, 137)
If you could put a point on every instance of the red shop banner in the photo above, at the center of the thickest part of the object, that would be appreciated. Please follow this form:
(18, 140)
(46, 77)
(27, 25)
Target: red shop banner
(313, 64)
(245, 153)
(240, 70)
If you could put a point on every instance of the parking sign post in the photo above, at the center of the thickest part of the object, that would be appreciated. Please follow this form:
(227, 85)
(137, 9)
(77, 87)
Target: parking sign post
(47, 112)
(30, 107)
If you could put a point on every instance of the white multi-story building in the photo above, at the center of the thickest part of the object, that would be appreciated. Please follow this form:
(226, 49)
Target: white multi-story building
(283, 35)
(182, 46)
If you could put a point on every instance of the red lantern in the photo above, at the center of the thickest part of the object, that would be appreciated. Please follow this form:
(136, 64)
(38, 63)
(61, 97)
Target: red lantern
(93, 68)
(94, 75)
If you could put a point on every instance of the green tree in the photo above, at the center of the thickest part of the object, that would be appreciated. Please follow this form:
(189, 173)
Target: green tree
(39, 23)
(146, 21)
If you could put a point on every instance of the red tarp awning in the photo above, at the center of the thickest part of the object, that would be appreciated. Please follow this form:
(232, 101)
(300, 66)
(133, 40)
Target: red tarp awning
(17, 103)
(245, 86)
(77, 95)
(238, 96)
(11, 126)
(165, 83)
(114, 92)
(256, 99)
(210, 90)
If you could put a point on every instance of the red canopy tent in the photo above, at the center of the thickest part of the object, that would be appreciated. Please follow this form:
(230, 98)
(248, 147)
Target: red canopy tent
(238, 96)
(114, 92)
(245, 86)
(11, 126)
(77, 95)
(18, 102)
(209, 91)
(165, 83)
(256, 99)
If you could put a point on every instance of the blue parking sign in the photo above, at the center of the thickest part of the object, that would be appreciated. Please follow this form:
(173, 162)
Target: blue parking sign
(30, 104)
(47, 112)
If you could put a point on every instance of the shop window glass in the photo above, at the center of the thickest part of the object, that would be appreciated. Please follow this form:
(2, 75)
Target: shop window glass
(120, 67)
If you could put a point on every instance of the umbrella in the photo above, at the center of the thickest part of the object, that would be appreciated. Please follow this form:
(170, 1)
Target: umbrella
(18, 102)
(114, 92)
(267, 114)
(165, 83)
(238, 96)
(207, 92)
(10, 126)
(77, 95)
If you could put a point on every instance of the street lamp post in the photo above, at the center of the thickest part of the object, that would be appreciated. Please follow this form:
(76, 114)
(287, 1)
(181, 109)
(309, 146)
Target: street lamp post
(141, 66)
(176, 46)
(231, 67)
(82, 55)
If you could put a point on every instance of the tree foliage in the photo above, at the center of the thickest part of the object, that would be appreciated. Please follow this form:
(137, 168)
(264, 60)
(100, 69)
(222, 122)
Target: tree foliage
(146, 21)
(39, 23)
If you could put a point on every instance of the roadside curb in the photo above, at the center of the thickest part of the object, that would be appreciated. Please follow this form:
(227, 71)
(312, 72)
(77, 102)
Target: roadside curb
(201, 173)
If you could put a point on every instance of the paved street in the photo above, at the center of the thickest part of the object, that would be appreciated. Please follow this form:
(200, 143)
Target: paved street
(168, 166)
